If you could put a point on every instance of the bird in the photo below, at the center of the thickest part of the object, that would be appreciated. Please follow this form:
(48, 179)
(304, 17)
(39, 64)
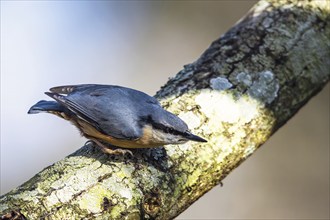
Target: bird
(116, 118)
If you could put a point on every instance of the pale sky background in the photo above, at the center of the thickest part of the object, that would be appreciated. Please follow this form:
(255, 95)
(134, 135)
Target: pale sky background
(140, 45)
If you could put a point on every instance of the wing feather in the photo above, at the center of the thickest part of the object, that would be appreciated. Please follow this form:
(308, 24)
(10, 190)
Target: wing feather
(75, 108)
(113, 110)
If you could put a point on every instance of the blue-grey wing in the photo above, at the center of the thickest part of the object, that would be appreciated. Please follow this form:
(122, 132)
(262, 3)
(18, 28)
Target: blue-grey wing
(114, 110)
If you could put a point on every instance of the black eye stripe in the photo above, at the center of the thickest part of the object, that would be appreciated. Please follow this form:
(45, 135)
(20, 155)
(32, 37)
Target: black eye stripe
(163, 128)
(168, 130)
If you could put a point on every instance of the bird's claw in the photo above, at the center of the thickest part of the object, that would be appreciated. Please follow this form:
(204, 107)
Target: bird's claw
(107, 150)
(121, 152)
(89, 142)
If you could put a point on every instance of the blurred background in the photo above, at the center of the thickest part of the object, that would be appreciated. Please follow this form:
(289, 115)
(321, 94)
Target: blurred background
(139, 45)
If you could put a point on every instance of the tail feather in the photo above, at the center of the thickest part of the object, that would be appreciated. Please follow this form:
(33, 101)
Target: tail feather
(46, 106)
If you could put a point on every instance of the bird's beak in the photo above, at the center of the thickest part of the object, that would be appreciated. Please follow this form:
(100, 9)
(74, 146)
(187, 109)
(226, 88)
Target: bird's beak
(193, 137)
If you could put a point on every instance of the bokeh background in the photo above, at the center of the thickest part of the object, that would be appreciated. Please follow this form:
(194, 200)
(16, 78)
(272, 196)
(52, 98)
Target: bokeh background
(139, 45)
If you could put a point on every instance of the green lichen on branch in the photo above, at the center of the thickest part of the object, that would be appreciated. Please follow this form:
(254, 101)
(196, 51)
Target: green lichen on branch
(243, 88)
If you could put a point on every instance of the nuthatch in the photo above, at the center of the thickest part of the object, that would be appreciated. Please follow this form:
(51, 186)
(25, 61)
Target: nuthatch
(119, 116)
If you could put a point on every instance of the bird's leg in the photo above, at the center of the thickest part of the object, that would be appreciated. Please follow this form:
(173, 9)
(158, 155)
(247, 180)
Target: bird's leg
(108, 150)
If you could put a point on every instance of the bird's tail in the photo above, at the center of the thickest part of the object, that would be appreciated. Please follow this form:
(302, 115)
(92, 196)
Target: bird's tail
(52, 107)
(46, 106)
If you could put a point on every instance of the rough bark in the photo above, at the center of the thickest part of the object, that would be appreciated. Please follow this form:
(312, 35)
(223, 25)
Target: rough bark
(244, 87)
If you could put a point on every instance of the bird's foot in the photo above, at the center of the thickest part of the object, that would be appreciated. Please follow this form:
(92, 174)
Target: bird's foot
(107, 150)
(117, 151)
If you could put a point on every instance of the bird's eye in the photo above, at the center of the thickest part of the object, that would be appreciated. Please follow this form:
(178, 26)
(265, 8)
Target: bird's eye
(170, 130)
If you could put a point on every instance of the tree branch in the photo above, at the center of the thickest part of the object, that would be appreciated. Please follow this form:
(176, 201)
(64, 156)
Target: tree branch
(244, 87)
